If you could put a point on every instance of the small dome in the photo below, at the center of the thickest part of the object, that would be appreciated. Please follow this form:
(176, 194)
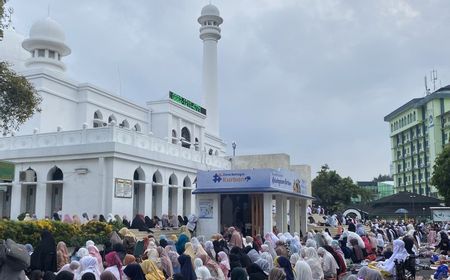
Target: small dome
(47, 29)
(210, 10)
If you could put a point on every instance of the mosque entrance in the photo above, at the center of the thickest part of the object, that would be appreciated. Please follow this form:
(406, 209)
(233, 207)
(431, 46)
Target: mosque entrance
(138, 192)
(28, 180)
(54, 191)
(242, 211)
(30, 201)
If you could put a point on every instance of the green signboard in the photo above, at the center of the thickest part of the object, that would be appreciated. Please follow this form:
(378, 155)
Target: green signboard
(186, 102)
(6, 171)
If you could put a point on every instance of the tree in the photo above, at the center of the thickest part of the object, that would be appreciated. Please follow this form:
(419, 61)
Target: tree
(382, 178)
(18, 98)
(334, 191)
(441, 174)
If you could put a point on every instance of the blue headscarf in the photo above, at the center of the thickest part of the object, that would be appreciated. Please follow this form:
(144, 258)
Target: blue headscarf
(181, 242)
(186, 268)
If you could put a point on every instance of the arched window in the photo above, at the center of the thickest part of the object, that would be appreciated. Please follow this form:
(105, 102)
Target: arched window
(186, 135)
(173, 180)
(139, 174)
(98, 119)
(187, 182)
(157, 178)
(112, 118)
(210, 152)
(124, 124)
(174, 137)
(55, 174)
(137, 127)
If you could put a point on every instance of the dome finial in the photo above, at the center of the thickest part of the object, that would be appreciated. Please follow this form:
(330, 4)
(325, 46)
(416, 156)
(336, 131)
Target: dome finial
(47, 45)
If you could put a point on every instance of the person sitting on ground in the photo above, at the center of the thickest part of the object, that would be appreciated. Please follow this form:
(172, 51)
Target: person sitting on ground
(149, 222)
(139, 223)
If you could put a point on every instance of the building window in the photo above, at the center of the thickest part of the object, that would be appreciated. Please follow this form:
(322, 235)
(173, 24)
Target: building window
(137, 127)
(41, 52)
(186, 135)
(51, 54)
(124, 124)
(111, 119)
(174, 136)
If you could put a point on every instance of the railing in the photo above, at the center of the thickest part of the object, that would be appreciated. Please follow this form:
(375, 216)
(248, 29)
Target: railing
(111, 134)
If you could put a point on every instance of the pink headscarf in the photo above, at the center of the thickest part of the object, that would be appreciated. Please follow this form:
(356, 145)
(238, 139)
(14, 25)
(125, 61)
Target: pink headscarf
(166, 263)
(112, 259)
(93, 251)
(67, 219)
(224, 263)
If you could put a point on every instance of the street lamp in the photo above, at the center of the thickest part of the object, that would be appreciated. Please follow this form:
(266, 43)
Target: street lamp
(413, 210)
(233, 145)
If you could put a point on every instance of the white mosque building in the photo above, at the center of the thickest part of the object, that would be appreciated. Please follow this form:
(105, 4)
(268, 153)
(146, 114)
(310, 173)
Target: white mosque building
(93, 151)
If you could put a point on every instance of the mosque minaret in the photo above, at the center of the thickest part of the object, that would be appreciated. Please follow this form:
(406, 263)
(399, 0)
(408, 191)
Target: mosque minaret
(210, 21)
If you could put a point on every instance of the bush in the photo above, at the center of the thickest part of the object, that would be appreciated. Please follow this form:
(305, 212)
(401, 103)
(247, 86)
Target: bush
(73, 235)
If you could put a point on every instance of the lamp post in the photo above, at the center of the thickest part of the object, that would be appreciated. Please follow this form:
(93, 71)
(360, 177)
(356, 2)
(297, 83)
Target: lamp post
(413, 210)
(233, 145)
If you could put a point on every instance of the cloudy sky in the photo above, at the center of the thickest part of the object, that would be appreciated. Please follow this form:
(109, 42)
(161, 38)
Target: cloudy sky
(311, 78)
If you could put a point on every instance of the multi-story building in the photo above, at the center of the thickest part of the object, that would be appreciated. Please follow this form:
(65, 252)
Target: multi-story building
(419, 130)
(378, 189)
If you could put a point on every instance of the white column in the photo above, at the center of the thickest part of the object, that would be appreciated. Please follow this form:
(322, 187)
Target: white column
(180, 202)
(193, 204)
(293, 218)
(279, 212)
(303, 215)
(41, 200)
(267, 206)
(148, 200)
(285, 210)
(164, 200)
(17, 201)
(210, 86)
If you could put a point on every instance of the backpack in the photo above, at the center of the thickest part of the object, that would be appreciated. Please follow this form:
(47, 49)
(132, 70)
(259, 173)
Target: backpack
(14, 255)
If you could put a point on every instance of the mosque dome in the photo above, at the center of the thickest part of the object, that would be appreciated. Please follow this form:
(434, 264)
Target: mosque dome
(47, 32)
(11, 49)
(210, 10)
(49, 29)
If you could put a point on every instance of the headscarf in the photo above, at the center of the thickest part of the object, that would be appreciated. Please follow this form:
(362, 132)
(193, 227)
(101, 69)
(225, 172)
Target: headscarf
(93, 251)
(201, 271)
(89, 264)
(189, 250)
(311, 243)
(110, 218)
(399, 253)
(253, 255)
(277, 274)
(166, 263)
(82, 252)
(224, 262)
(108, 275)
(118, 218)
(126, 232)
(134, 272)
(209, 248)
(271, 249)
(302, 271)
(112, 259)
(115, 239)
(173, 256)
(44, 255)
(268, 257)
(62, 253)
(129, 259)
(312, 259)
(294, 258)
(284, 263)
(186, 267)
(337, 248)
(369, 274)
(67, 219)
(238, 273)
(76, 220)
(255, 272)
(89, 243)
(329, 264)
(271, 237)
(235, 239)
(64, 275)
(180, 245)
(151, 271)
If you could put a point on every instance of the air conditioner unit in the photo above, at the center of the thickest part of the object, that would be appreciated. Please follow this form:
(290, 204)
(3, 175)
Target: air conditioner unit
(27, 176)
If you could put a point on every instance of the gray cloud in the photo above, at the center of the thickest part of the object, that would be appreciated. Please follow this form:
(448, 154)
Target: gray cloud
(313, 79)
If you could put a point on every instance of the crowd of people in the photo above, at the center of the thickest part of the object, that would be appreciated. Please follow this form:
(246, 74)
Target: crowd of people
(230, 255)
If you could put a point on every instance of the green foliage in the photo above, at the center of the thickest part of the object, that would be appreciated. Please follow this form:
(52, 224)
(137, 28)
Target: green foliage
(73, 235)
(334, 192)
(382, 178)
(18, 99)
(441, 174)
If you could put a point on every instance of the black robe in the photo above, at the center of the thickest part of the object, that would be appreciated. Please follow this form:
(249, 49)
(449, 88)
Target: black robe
(44, 257)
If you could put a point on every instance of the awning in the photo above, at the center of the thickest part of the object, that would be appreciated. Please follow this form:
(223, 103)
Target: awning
(6, 171)
(251, 181)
